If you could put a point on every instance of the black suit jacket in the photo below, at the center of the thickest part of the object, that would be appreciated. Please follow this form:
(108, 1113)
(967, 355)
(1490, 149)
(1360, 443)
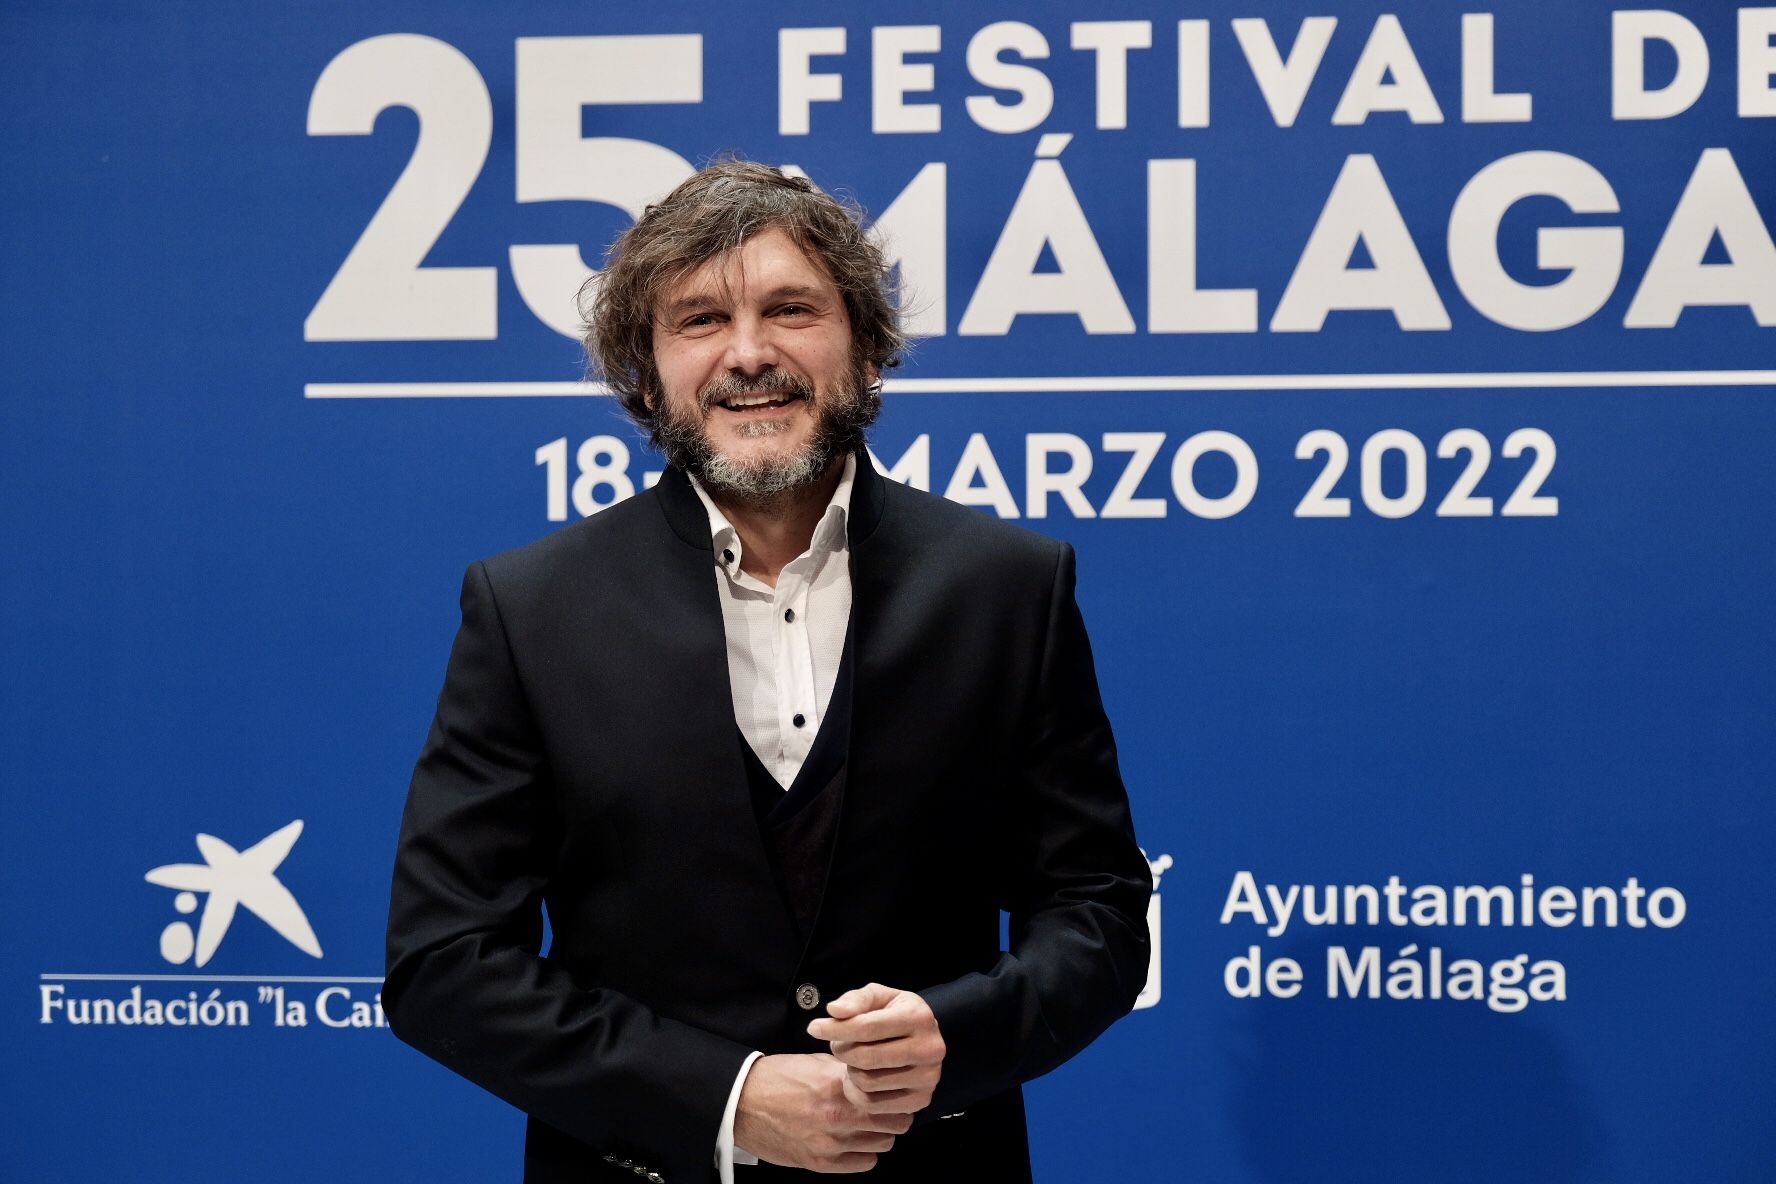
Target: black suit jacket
(585, 759)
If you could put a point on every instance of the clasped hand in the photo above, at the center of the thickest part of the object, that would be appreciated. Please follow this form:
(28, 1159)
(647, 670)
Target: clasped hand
(837, 1112)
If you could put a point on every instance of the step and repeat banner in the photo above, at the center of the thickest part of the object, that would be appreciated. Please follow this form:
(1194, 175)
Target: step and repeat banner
(1402, 377)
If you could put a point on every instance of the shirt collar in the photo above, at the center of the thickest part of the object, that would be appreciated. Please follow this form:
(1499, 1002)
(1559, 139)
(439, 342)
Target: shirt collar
(829, 533)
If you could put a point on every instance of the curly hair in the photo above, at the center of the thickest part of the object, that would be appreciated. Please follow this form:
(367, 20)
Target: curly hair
(715, 212)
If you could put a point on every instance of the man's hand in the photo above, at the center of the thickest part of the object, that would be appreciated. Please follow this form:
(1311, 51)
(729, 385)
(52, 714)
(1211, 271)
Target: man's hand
(795, 1111)
(890, 1046)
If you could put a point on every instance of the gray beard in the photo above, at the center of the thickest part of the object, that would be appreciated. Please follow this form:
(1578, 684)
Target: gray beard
(839, 429)
(771, 476)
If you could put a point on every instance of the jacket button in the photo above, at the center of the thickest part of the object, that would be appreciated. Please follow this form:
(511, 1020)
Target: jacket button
(656, 1178)
(807, 996)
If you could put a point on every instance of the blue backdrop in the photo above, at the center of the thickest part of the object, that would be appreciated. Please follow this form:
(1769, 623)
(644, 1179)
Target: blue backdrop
(1404, 383)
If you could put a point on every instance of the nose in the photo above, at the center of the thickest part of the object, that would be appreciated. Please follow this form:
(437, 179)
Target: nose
(751, 348)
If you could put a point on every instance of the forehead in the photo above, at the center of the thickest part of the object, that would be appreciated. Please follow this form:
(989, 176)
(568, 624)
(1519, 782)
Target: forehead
(770, 261)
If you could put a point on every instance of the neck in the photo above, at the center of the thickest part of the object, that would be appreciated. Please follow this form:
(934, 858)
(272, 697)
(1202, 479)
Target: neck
(774, 530)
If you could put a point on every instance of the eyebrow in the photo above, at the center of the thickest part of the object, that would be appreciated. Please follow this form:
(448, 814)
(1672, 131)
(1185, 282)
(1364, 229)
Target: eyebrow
(708, 301)
(793, 292)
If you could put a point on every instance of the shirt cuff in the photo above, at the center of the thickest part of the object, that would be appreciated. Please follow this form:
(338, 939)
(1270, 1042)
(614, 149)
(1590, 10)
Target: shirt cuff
(726, 1154)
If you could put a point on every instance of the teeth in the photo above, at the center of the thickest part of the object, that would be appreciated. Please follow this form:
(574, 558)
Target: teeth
(758, 400)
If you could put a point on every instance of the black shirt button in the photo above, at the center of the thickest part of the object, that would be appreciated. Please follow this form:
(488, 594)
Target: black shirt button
(727, 555)
(789, 615)
(798, 719)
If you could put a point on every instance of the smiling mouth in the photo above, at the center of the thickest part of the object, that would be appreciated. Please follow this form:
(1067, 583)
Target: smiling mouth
(760, 401)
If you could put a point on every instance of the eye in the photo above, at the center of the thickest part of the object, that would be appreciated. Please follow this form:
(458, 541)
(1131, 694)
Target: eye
(794, 310)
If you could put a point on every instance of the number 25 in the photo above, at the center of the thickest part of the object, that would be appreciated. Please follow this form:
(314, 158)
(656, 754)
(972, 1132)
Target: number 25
(383, 291)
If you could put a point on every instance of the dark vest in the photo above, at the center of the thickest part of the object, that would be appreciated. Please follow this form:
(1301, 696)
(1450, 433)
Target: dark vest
(799, 824)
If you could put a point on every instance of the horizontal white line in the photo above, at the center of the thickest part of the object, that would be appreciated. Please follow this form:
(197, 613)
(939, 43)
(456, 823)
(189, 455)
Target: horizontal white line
(208, 978)
(1430, 380)
(451, 390)
(1482, 380)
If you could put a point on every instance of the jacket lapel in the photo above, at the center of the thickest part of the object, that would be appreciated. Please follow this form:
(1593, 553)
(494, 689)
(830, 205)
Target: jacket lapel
(703, 714)
(876, 568)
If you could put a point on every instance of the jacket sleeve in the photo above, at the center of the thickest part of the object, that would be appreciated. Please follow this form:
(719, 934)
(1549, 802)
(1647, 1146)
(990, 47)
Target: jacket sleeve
(1077, 895)
(465, 983)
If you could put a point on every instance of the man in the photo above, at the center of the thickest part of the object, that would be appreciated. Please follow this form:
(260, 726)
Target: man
(773, 743)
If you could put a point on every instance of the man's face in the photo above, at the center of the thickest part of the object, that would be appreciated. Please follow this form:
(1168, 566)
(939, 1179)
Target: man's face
(759, 386)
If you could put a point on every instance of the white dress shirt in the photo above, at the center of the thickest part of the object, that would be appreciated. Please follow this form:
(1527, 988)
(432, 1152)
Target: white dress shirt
(784, 648)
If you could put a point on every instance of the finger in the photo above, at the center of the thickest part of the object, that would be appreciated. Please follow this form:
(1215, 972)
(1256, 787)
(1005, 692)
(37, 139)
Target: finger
(872, 1141)
(889, 1054)
(872, 1081)
(892, 1054)
(854, 1093)
(888, 1121)
(901, 1102)
(864, 998)
(865, 1029)
(848, 1163)
(882, 1101)
(886, 1024)
(863, 1119)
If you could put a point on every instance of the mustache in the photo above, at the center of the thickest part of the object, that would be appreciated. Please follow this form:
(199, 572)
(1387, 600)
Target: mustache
(770, 382)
